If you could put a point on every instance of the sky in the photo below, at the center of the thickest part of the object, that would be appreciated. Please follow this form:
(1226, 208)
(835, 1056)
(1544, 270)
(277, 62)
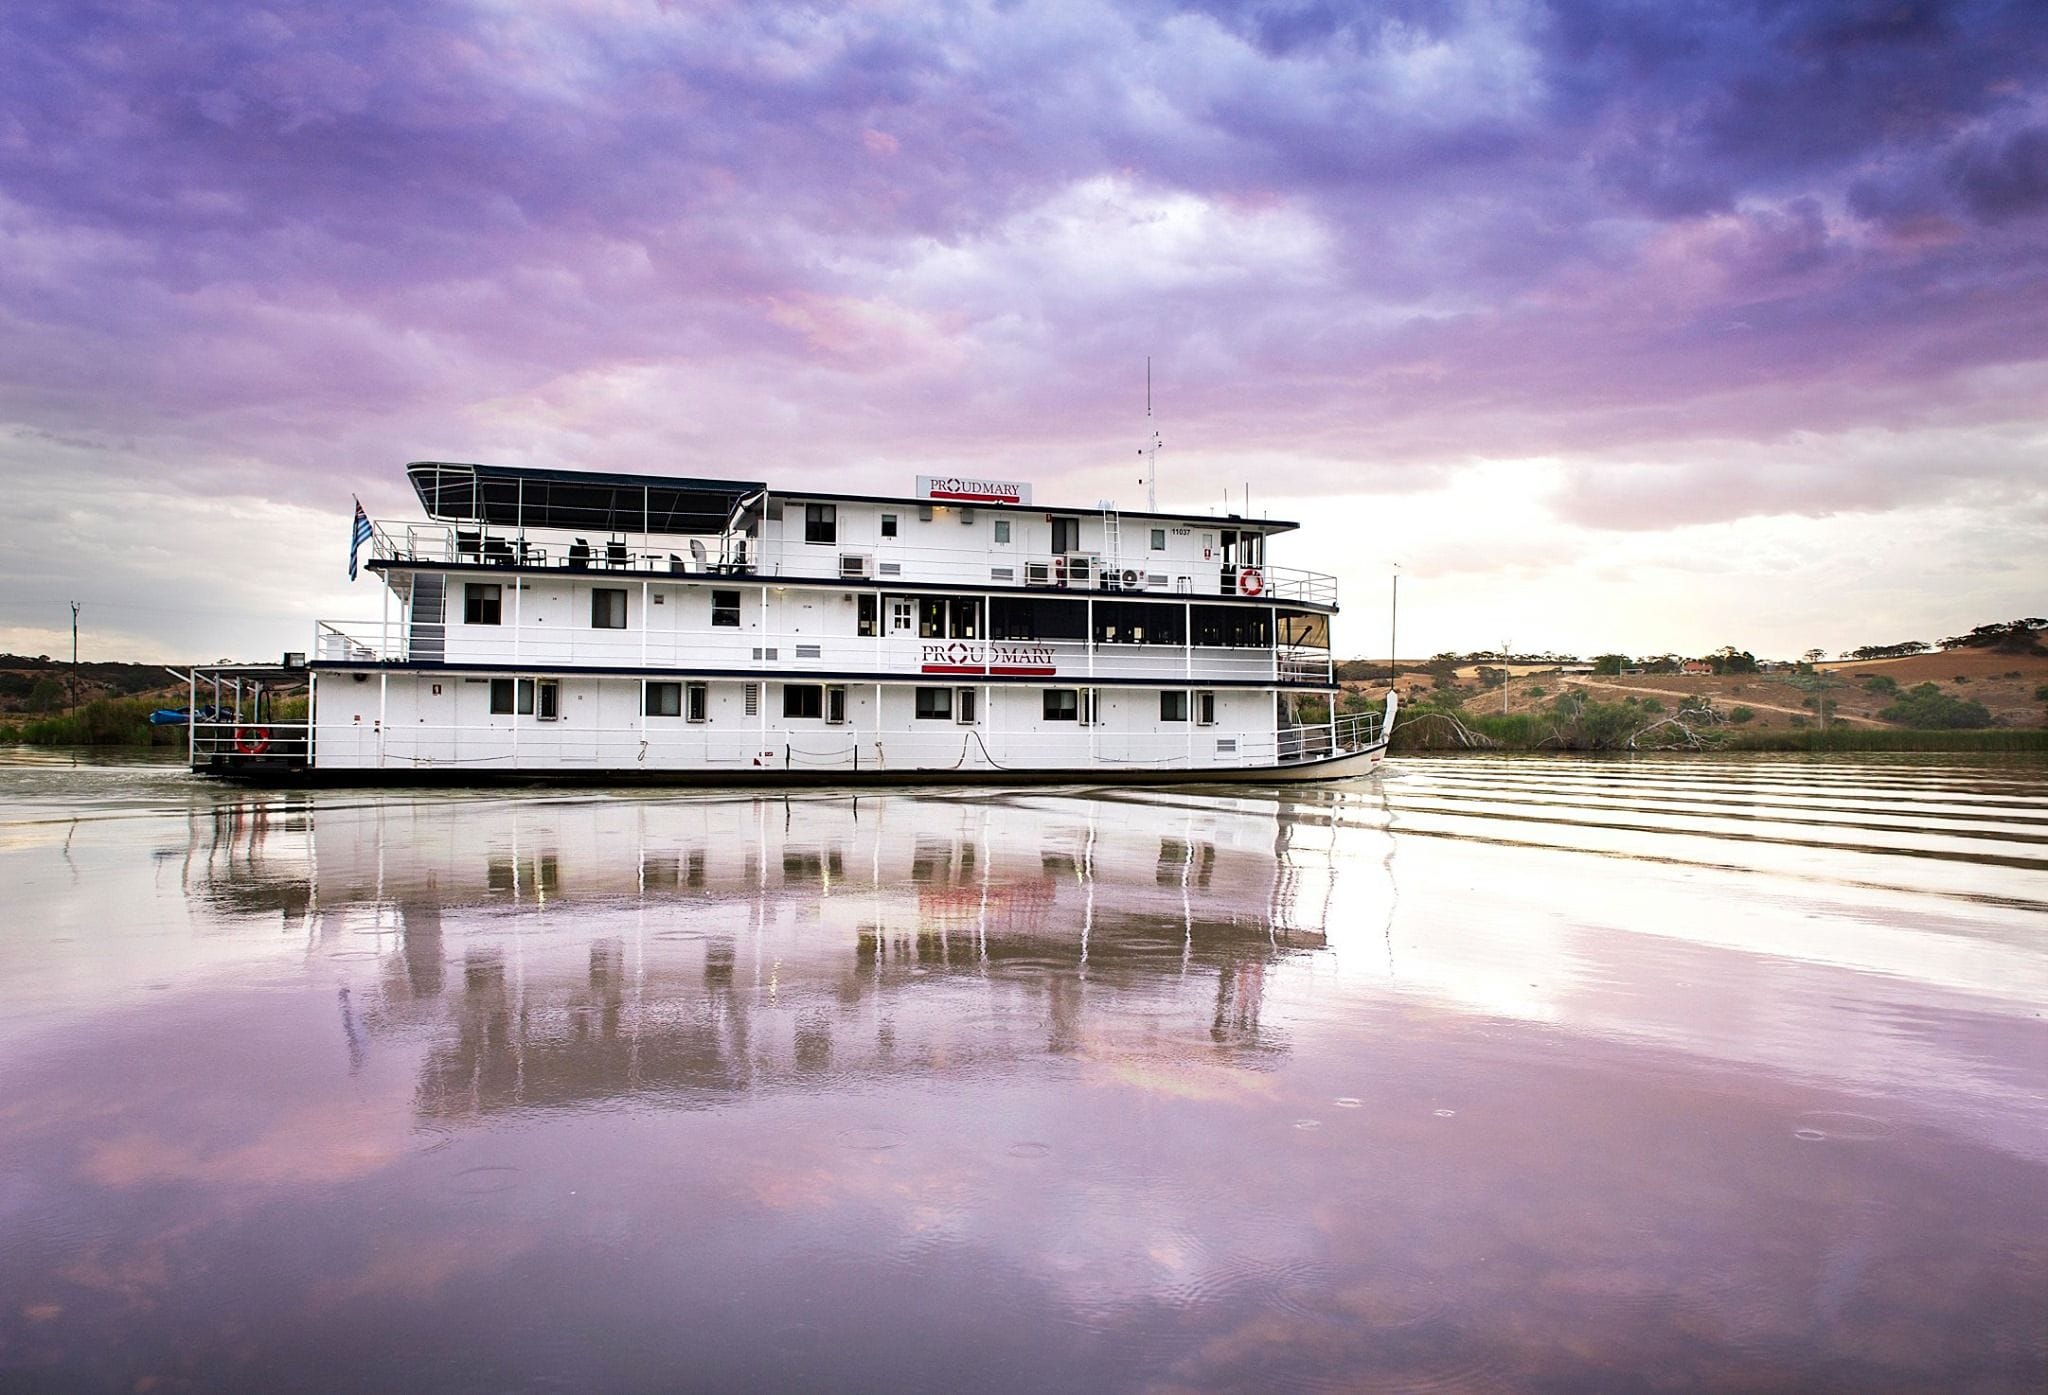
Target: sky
(1648, 326)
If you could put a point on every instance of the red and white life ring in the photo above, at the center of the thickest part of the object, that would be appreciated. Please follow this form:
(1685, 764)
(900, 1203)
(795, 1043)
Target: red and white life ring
(1251, 582)
(252, 741)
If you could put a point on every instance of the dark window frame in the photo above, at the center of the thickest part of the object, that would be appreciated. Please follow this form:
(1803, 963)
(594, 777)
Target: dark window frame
(821, 523)
(662, 699)
(607, 607)
(803, 701)
(483, 603)
(934, 704)
(1062, 705)
(725, 615)
(1173, 705)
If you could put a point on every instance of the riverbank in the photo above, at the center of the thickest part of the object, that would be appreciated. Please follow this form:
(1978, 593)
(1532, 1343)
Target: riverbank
(106, 722)
(1592, 727)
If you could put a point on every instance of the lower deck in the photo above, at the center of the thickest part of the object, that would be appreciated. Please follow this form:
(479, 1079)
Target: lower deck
(458, 726)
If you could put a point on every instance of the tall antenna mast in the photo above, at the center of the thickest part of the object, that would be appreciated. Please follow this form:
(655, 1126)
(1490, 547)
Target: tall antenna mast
(1151, 451)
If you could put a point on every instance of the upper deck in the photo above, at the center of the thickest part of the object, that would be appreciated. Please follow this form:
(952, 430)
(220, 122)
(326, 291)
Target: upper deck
(959, 534)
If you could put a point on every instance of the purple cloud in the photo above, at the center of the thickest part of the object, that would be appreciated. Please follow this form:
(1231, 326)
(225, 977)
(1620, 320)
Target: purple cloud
(843, 235)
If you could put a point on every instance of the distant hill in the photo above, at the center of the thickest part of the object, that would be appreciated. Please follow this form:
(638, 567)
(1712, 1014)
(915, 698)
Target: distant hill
(39, 683)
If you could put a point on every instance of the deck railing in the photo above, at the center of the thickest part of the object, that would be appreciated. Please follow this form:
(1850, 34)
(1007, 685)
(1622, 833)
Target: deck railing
(989, 566)
(896, 655)
(250, 741)
(668, 745)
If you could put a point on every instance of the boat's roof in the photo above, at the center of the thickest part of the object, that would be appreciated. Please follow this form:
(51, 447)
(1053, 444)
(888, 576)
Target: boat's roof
(525, 496)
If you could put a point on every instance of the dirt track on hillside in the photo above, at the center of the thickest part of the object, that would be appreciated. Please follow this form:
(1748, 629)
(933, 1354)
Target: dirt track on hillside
(1747, 701)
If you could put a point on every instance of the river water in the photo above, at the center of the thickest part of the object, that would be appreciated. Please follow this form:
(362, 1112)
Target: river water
(1483, 1075)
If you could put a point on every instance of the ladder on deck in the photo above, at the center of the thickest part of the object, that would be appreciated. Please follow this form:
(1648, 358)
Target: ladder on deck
(1112, 541)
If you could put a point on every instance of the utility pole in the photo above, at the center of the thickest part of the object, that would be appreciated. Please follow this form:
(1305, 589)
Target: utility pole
(1393, 631)
(74, 656)
(1506, 673)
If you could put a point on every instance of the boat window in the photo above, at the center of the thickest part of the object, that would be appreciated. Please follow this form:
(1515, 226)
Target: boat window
(725, 609)
(607, 609)
(697, 702)
(899, 614)
(1139, 622)
(964, 706)
(931, 618)
(1066, 535)
(482, 602)
(1233, 626)
(966, 618)
(509, 696)
(549, 703)
(835, 704)
(865, 611)
(803, 700)
(934, 704)
(821, 523)
(664, 699)
(888, 525)
(1027, 617)
(1002, 530)
(1062, 705)
(1173, 706)
(1304, 628)
(1205, 709)
(1159, 540)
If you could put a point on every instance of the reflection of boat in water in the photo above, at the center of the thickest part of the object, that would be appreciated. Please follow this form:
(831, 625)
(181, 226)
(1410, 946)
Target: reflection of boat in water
(697, 948)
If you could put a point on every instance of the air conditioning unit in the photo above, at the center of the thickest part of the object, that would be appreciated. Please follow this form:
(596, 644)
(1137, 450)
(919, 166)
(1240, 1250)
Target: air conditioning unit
(1130, 579)
(855, 566)
(1038, 573)
(1081, 568)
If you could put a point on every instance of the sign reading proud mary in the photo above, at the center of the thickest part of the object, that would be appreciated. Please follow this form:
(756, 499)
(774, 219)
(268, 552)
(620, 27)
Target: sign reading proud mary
(959, 489)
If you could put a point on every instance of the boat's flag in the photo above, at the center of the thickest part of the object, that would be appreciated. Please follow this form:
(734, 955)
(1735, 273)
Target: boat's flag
(359, 535)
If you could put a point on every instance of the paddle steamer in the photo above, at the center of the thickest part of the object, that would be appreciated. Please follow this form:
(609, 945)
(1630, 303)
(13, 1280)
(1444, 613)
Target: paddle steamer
(552, 624)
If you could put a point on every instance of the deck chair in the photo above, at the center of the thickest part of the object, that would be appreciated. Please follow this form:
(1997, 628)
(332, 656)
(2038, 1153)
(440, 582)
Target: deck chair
(615, 554)
(579, 555)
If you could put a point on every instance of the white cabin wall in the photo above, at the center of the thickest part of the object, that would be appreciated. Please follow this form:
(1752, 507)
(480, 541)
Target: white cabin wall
(602, 726)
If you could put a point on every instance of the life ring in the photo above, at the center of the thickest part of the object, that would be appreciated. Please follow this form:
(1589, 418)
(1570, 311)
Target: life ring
(252, 741)
(1251, 582)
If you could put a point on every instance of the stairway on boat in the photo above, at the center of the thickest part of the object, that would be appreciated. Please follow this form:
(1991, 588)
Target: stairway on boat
(429, 635)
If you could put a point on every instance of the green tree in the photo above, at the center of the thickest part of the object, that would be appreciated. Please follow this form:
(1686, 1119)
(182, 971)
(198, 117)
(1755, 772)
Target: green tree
(1739, 715)
(1610, 664)
(1928, 708)
(46, 696)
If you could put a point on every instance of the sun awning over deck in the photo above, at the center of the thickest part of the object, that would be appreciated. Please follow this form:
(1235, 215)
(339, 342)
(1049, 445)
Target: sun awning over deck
(510, 496)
